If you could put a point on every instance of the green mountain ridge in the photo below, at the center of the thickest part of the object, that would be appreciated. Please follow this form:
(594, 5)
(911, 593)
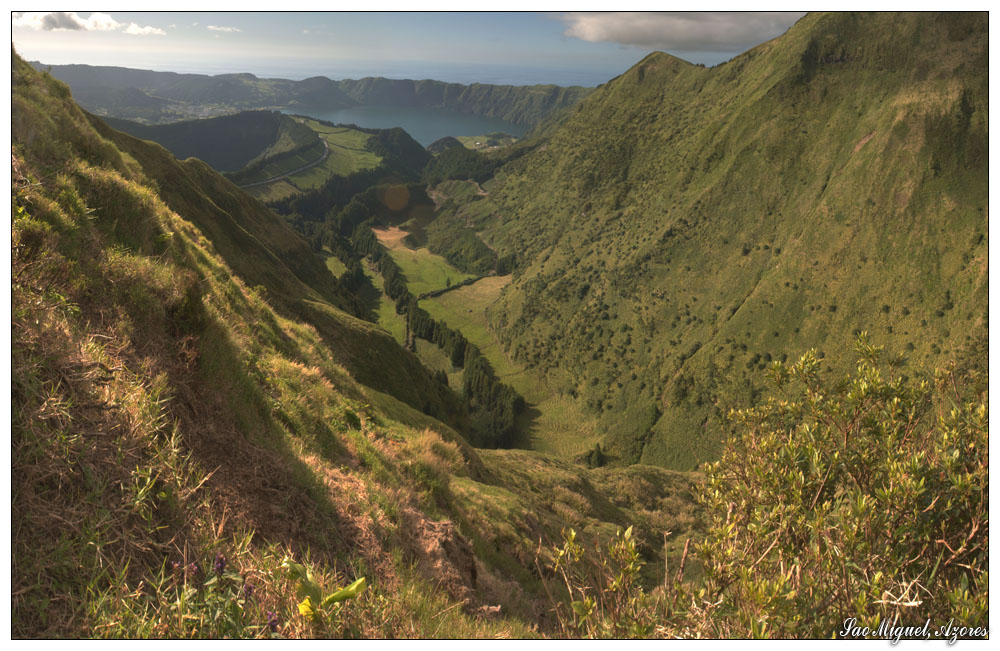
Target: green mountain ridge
(153, 96)
(686, 226)
(228, 143)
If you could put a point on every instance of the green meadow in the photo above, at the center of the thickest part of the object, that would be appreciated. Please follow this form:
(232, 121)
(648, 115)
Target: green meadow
(425, 271)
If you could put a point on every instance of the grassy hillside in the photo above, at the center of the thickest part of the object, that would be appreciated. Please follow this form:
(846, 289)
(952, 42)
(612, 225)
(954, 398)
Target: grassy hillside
(268, 255)
(227, 143)
(209, 440)
(193, 416)
(271, 155)
(685, 226)
(333, 151)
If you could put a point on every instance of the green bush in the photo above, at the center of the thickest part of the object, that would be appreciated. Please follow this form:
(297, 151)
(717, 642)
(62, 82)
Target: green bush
(868, 499)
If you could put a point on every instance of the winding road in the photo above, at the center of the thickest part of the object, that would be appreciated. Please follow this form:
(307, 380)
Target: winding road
(326, 152)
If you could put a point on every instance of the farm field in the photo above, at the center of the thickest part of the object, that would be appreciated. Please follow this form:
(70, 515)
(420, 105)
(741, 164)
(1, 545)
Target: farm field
(487, 141)
(385, 310)
(347, 154)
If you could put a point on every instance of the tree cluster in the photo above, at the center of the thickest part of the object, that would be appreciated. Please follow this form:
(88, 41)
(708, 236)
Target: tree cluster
(498, 402)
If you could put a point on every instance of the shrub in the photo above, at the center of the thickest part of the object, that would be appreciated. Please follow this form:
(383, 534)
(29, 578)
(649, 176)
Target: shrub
(605, 598)
(866, 500)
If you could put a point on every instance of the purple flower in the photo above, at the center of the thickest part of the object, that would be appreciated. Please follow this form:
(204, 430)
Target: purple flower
(272, 621)
(193, 570)
(220, 564)
(248, 590)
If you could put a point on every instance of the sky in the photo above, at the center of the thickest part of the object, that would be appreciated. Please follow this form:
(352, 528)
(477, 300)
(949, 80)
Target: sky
(585, 48)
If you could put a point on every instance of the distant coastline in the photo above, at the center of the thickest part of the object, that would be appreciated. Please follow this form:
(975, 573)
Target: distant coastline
(457, 73)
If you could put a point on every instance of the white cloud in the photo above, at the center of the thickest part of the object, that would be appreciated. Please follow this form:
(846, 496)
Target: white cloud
(215, 28)
(696, 31)
(143, 31)
(61, 21)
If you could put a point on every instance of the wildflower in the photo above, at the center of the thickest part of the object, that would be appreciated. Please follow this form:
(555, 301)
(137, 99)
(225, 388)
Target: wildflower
(220, 564)
(248, 589)
(193, 570)
(272, 621)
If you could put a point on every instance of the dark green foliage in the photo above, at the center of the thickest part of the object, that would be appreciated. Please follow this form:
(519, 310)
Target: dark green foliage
(448, 236)
(459, 163)
(337, 191)
(595, 458)
(441, 144)
(481, 386)
(226, 143)
(397, 146)
(402, 160)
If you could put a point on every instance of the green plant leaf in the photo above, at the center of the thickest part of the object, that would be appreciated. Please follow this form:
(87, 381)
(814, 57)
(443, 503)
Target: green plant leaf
(349, 592)
(308, 610)
(583, 608)
(308, 588)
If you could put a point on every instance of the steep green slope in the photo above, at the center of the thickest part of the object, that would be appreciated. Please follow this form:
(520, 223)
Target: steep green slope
(227, 143)
(265, 251)
(686, 226)
(177, 432)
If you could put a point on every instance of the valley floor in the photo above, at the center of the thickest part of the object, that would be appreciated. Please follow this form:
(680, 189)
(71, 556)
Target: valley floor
(551, 423)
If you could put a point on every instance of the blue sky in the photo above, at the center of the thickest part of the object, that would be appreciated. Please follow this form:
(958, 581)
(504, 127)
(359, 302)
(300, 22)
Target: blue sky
(512, 47)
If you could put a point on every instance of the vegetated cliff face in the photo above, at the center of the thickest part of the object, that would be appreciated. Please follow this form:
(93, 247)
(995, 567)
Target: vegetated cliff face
(686, 226)
(518, 104)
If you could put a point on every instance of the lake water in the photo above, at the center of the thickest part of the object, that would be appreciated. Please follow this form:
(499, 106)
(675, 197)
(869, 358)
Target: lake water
(425, 125)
